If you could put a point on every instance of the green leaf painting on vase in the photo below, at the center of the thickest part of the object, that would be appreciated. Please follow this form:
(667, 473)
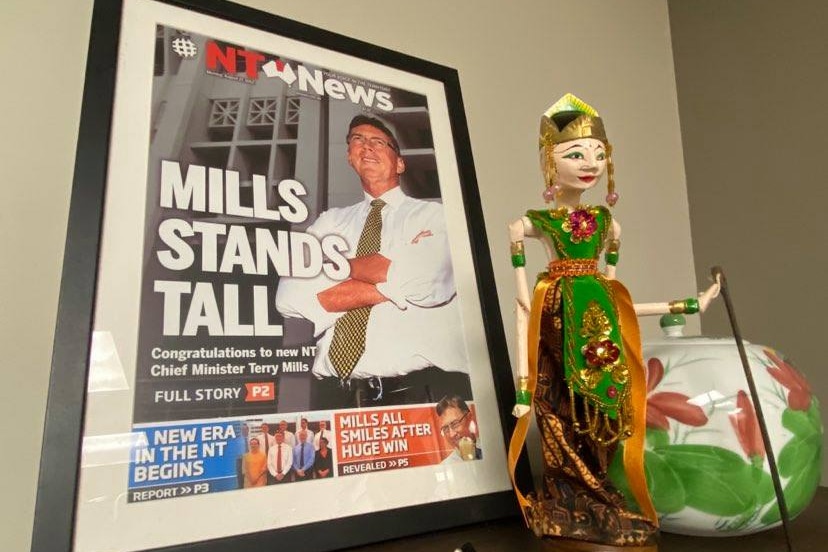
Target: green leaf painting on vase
(716, 480)
(729, 484)
(800, 460)
(666, 488)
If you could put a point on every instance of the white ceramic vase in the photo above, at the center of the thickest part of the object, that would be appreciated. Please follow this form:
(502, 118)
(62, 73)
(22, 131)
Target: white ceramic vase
(705, 461)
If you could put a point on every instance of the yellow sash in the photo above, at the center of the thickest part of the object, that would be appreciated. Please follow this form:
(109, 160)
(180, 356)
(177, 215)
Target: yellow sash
(634, 445)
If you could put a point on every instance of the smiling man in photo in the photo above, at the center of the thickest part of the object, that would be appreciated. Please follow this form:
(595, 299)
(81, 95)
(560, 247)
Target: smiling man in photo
(390, 333)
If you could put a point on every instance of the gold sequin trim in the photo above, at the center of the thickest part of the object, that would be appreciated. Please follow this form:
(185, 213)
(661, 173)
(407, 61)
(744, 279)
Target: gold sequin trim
(573, 267)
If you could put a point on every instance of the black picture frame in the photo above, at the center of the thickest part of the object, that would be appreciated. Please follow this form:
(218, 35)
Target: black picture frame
(58, 486)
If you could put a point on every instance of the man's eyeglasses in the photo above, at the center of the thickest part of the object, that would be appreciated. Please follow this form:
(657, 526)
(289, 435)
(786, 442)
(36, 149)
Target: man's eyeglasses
(376, 143)
(453, 427)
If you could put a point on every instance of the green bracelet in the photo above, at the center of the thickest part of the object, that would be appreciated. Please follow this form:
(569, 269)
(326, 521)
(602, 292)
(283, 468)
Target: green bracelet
(691, 306)
(523, 397)
(687, 306)
(518, 256)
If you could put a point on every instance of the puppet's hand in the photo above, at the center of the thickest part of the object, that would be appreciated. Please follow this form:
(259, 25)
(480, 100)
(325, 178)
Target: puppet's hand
(610, 272)
(520, 410)
(709, 294)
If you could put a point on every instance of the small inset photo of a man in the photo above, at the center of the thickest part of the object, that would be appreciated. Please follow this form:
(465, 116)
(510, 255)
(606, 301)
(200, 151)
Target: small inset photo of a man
(458, 426)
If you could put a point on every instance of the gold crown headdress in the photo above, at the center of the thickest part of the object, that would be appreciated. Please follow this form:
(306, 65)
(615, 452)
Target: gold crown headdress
(587, 124)
(582, 121)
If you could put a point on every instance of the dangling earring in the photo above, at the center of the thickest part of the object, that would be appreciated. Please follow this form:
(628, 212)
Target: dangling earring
(612, 195)
(552, 189)
(551, 192)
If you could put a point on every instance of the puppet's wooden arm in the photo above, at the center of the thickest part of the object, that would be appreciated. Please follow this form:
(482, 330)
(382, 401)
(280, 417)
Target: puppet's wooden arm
(518, 230)
(691, 305)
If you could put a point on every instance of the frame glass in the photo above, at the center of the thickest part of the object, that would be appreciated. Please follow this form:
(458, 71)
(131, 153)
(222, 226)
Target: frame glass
(220, 193)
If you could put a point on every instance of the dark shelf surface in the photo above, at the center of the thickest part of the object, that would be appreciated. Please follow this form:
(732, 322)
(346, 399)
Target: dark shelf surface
(809, 533)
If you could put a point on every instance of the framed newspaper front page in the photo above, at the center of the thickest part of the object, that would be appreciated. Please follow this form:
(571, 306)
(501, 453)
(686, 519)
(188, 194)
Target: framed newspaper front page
(277, 323)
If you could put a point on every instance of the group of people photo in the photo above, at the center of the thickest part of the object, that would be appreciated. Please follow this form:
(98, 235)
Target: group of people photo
(285, 454)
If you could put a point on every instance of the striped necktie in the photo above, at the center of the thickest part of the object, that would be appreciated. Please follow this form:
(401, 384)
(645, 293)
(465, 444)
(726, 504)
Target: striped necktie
(348, 342)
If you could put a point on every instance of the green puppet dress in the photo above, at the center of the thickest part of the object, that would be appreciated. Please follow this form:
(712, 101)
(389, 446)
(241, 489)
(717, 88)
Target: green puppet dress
(585, 397)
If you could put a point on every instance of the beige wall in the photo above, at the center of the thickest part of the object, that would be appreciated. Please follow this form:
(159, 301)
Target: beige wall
(514, 60)
(752, 87)
(42, 91)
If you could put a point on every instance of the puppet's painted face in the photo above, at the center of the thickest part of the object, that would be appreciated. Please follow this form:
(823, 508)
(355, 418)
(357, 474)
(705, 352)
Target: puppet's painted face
(579, 164)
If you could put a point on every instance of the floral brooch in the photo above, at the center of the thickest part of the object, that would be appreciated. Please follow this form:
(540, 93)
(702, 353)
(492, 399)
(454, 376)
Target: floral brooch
(580, 224)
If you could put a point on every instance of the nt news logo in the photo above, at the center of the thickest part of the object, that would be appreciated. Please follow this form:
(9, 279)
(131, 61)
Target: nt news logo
(238, 63)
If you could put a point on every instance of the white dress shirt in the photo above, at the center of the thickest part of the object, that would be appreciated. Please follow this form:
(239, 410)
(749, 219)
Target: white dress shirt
(265, 446)
(420, 324)
(287, 458)
(290, 438)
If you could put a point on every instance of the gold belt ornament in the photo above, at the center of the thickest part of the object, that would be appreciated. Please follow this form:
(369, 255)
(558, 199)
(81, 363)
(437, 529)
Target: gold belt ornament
(573, 267)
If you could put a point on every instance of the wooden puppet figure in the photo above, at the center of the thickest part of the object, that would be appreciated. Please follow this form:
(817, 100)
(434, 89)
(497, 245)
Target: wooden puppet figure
(579, 349)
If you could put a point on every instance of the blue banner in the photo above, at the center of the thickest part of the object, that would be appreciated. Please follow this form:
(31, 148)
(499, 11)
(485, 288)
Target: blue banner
(173, 456)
